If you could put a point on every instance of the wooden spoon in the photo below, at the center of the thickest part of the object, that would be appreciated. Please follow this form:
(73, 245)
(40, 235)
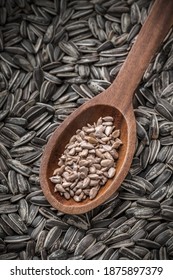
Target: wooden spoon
(116, 101)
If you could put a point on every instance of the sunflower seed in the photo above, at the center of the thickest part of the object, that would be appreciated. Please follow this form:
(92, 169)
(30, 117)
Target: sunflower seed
(49, 51)
(84, 244)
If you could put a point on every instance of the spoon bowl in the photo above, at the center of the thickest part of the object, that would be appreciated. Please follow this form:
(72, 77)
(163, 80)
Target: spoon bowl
(116, 101)
(51, 156)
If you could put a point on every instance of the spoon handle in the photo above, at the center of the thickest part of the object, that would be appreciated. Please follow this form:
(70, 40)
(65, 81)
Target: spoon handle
(149, 39)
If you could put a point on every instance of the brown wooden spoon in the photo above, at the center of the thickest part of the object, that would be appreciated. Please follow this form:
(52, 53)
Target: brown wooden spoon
(116, 101)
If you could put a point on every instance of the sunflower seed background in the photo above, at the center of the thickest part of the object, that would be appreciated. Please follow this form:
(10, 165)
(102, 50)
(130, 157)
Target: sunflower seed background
(54, 56)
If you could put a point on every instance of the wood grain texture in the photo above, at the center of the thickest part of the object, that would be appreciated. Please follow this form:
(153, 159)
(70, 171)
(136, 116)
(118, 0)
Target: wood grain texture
(116, 101)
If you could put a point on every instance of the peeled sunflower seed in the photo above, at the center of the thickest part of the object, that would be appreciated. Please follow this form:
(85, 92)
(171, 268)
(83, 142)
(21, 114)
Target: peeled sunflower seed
(88, 161)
